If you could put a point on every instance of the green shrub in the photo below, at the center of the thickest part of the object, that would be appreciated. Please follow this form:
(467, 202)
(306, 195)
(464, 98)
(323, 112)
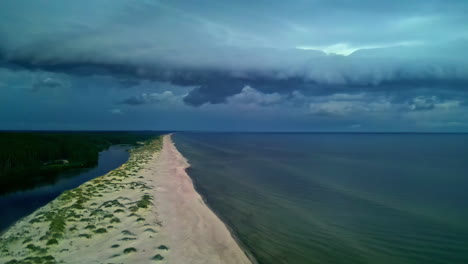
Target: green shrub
(52, 241)
(100, 231)
(157, 257)
(129, 250)
(163, 247)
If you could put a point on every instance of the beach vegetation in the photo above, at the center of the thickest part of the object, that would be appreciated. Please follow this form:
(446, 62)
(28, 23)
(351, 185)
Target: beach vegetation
(27, 240)
(57, 235)
(100, 231)
(35, 220)
(150, 230)
(97, 212)
(163, 247)
(128, 238)
(33, 247)
(108, 216)
(111, 203)
(157, 257)
(85, 235)
(129, 250)
(57, 222)
(36, 249)
(128, 233)
(52, 241)
(65, 211)
(144, 202)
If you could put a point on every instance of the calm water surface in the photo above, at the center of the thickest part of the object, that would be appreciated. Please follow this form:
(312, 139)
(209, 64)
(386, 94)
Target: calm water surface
(14, 206)
(337, 198)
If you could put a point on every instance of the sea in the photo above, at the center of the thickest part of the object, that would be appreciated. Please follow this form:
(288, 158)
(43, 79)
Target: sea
(337, 198)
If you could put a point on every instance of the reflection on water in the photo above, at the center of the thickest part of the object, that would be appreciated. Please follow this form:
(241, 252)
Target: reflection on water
(337, 198)
(14, 206)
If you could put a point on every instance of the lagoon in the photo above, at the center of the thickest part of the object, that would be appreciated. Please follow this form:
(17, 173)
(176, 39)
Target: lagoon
(15, 205)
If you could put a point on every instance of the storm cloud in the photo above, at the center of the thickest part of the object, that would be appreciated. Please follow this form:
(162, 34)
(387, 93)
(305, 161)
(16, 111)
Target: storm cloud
(409, 54)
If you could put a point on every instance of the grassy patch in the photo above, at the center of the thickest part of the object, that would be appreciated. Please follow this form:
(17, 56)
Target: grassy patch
(112, 203)
(144, 202)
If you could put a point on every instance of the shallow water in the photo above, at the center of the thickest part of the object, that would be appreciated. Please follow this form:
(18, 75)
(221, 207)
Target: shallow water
(14, 206)
(337, 198)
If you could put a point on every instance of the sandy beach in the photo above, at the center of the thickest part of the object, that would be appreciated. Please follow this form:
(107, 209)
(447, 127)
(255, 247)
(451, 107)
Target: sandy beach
(145, 211)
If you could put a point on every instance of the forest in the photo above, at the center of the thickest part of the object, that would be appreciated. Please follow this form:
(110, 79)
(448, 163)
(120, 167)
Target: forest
(31, 158)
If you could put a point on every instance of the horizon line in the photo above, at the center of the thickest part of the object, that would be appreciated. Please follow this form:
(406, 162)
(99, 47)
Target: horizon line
(238, 131)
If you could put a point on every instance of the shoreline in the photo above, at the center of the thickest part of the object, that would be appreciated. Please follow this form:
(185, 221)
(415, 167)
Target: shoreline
(145, 211)
(231, 230)
(192, 219)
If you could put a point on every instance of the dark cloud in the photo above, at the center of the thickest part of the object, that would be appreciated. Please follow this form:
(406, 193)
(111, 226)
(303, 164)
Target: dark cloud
(211, 48)
(407, 55)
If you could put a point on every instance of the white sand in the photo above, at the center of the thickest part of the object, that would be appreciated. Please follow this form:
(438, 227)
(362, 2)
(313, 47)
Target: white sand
(175, 226)
(196, 234)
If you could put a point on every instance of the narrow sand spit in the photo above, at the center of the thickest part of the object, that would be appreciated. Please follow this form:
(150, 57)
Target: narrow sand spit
(146, 211)
(196, 234)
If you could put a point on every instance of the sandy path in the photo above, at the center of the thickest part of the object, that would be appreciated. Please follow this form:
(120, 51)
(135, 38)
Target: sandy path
(196, 234)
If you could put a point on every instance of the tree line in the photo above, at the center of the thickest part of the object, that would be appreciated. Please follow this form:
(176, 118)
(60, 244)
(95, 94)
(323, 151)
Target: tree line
(29, 158)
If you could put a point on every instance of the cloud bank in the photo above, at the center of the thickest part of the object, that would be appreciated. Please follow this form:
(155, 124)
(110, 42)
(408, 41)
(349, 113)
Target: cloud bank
(400, 56)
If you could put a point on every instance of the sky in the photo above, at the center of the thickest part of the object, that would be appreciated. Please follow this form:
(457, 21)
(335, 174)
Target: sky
(216, 65)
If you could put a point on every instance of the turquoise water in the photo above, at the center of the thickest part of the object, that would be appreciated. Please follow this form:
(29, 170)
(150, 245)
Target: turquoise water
(337, 198)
